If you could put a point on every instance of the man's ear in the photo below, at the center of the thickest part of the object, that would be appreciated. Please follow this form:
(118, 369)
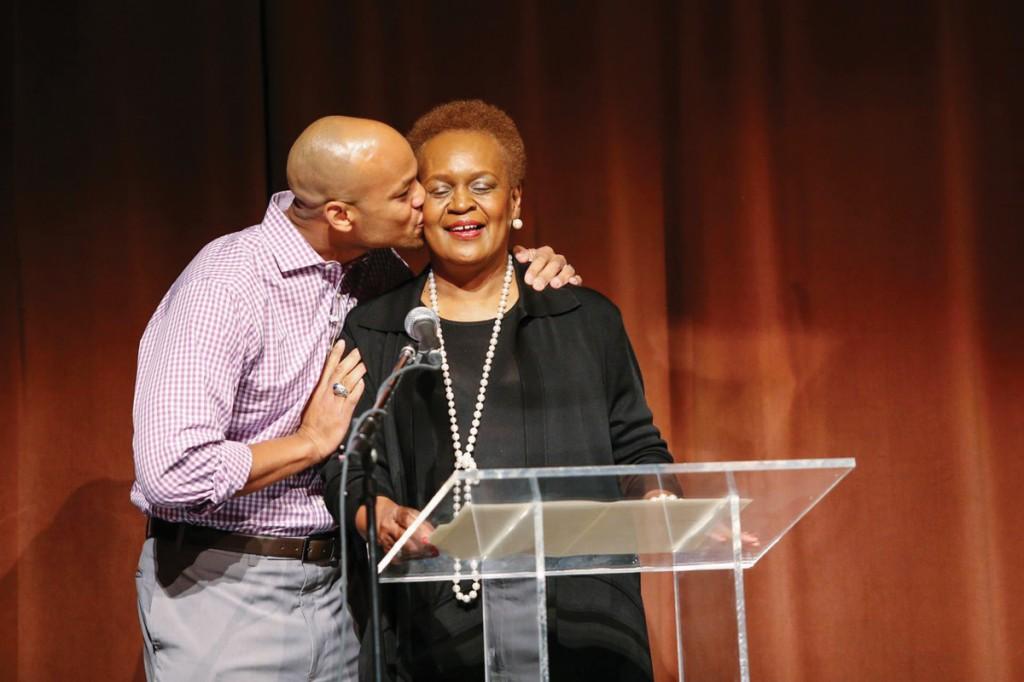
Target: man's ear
(339, 215)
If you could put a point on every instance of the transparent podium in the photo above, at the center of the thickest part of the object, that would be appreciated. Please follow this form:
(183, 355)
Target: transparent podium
(516, 527)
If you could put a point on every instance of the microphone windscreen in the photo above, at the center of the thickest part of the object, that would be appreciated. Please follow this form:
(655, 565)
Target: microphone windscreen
(420, 314)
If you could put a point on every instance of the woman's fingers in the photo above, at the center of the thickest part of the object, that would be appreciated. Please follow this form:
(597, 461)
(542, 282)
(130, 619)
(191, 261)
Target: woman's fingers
(395, 525)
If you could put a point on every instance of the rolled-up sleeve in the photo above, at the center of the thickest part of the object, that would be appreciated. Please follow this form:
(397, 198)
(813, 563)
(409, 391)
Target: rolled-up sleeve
(191, 361)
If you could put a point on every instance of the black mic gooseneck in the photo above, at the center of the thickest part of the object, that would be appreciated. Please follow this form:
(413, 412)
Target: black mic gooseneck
(421, 324)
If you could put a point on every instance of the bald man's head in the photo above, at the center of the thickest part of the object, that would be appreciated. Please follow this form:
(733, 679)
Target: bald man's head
(359, 178)
(338, 157)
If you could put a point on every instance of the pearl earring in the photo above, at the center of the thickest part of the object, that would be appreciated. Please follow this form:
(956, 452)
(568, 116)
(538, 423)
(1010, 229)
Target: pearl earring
(517, 224)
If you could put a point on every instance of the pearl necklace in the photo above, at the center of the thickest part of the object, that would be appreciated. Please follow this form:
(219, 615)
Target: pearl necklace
(464, 455)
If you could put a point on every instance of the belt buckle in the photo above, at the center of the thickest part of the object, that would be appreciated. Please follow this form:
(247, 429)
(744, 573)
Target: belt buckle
(305, 550)
(335, 549)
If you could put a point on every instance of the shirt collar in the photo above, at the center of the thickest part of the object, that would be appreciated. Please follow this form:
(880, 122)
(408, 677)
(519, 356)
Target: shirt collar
(291, 251)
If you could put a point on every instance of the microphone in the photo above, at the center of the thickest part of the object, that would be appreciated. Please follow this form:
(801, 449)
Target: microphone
(421, 324)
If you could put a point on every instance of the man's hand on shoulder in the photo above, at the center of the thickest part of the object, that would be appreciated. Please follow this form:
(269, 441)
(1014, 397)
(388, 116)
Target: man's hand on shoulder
(546, 268)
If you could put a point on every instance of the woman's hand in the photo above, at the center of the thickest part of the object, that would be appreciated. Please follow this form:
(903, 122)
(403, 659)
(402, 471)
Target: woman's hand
(721, 533)
(546, 267)
(392, 522)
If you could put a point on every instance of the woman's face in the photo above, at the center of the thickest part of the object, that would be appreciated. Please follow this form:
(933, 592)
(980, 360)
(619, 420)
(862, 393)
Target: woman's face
(470, 201)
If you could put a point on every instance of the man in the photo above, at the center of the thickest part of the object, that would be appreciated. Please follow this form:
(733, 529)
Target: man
(235, 408)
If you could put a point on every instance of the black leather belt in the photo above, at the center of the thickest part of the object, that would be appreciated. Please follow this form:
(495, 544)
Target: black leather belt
(321, 548)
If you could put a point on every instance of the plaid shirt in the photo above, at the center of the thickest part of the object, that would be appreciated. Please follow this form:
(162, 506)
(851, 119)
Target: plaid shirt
(229, 358)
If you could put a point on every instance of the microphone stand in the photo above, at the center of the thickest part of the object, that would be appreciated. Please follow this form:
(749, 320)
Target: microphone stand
(360, 444)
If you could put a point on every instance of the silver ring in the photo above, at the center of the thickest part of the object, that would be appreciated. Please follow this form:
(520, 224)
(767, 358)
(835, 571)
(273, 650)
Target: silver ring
(339, 389)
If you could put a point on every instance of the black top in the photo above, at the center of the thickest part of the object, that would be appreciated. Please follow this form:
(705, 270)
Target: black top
(582, 403)
(447, 642)
(500, 442)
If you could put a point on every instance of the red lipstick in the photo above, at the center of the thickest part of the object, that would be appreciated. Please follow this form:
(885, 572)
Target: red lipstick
(465, 229)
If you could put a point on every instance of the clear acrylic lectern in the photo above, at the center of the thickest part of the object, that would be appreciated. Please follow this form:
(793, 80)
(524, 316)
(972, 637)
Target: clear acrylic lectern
(523, 525)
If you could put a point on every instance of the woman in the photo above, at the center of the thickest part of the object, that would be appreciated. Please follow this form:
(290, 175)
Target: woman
(554, 364)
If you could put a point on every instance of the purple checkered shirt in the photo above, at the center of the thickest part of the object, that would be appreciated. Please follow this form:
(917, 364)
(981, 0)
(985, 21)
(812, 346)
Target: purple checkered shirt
(229, 358)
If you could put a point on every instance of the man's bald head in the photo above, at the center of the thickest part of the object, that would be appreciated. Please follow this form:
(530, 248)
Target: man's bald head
(343, 158)
(355, 188)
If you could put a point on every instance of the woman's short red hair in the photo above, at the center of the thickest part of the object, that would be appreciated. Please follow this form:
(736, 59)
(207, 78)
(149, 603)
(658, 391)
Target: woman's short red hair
(479, 116)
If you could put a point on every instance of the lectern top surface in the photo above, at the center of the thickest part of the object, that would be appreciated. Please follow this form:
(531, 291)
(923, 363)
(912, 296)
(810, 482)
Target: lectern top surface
(635, 518)
(647, 469)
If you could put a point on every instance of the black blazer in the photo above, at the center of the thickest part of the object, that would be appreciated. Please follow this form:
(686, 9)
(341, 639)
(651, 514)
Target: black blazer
(584, 401)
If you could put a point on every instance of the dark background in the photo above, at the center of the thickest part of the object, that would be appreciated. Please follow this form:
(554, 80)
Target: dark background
(809, 212)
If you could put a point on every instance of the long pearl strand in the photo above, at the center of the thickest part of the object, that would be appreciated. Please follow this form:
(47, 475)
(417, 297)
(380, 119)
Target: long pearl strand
(464, 456)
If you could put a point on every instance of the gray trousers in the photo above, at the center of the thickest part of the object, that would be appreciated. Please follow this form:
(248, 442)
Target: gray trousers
(216, 615)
